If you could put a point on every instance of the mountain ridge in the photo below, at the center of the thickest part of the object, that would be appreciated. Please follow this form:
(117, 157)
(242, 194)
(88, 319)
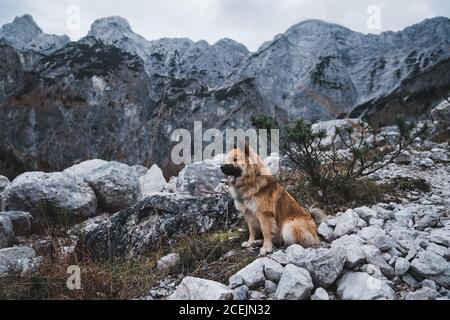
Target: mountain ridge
(117, 96)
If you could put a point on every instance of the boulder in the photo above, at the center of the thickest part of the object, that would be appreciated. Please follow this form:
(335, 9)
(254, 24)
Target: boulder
(280, 257)
(85, 168)
(407, 238)
(55, 197)
(373, 270)
(167, 261)
(440, 155)
(401, 266)
(4, 182)
(361, 286)
(6, 232)
(366, 213)
(325, 231)
(330, 128)
(294, 252)
(295, 284)
(432, 266)
(376, 222)
(115, 185)
(404, 217)
(272, 269)
(427, 292)
(152, 182)
(355, 256)
(16, 259)
(199, 289)
(252, 276)
(139, 171)
(348, 240)
(440, 236)
(132, 232)
(200, 177)
(373, 256)
(384, 211)
(384, 243)
(22, 222)
(410, 280)
(270, 287)
(320, 294)
(440, 250)
(429, 217)
(346, 223)
(369, 234)
(256, 295)
(241, 293)
(404, 158)
(324, 265)
(352, 244)
(441, 115)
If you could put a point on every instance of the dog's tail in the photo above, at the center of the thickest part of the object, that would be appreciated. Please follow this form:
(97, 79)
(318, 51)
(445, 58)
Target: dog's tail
(318, 214)
(301, 231)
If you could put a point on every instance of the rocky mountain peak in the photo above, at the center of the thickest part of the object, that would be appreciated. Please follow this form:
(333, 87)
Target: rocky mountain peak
(316, 24)
(314, 30)
(24, 34)
(227, 42)
(21, 31)
(27, 24)
(110, 28)
(436, 21)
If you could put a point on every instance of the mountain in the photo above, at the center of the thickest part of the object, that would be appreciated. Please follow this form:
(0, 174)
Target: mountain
(117, 96)
(415, 97)
(318, 70)
(24, 34)
(179, 58)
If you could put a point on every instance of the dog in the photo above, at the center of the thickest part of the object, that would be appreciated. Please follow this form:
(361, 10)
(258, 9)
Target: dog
(266, 206)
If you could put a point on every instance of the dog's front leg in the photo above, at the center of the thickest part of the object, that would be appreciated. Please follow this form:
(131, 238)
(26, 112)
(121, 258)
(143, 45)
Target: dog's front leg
(253, 230)
(267, 221)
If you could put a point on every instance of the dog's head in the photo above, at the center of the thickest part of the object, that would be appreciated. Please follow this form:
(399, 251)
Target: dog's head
(243, 163)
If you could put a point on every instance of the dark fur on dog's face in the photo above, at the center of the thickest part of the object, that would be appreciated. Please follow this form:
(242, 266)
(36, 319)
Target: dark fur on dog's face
(234, 164)
(242, 164)
(231, 170)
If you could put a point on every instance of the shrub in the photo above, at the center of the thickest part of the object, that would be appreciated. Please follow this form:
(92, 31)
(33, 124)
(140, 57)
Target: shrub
(337, 161)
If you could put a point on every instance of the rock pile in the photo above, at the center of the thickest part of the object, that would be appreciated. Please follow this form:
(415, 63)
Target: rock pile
(396, 250)
(387, 251)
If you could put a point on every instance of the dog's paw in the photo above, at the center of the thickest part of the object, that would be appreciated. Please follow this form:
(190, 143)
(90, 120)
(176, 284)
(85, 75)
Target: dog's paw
(248, 244)
(265, 251)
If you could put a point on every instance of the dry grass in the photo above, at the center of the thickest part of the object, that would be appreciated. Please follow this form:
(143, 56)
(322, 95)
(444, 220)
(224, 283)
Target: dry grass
(356, 193)
(201, 255)
(100, 281)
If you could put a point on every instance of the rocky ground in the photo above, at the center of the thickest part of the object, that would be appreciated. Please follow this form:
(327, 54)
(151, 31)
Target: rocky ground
(386, 251)
(115, 212)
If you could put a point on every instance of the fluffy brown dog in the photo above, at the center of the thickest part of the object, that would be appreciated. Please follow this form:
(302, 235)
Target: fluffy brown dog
(266, 206)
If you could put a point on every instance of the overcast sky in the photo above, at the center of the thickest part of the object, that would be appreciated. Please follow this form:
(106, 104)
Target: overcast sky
(250, 22)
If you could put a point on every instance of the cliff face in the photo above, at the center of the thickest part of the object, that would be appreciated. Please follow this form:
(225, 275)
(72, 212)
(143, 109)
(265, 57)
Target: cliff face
(11, 71)
(414, 98)
(116, 96)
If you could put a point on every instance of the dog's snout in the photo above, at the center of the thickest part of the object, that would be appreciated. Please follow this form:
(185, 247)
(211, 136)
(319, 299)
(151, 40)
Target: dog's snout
(231, 170)
(226, 168)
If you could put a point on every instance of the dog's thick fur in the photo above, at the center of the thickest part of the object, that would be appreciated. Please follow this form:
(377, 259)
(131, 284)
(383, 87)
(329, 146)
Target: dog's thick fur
(268, 208)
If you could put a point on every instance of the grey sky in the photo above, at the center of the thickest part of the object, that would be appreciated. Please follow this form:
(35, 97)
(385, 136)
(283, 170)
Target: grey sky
(251, 22)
